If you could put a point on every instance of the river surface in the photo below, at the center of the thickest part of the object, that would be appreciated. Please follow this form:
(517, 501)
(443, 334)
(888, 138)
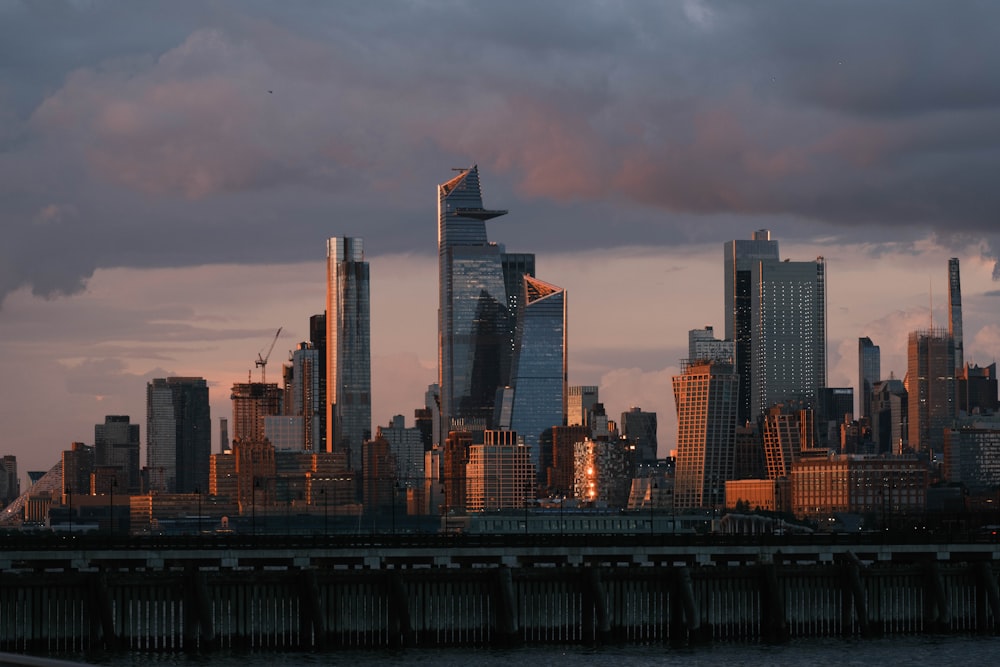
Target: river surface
(894, 652)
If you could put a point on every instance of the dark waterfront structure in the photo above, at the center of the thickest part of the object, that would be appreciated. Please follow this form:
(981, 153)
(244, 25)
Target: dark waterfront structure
(453, 590)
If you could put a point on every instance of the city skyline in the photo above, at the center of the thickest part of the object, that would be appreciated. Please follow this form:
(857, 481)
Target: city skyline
(168, 182)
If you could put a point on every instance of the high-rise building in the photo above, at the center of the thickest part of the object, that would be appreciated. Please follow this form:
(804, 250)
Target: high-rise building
(869, 372)
(252, 402)
(317, 336)
(640, 428)
(787, 429)
(178, 434)
(348, 348)
(740, 257)
(303, 396)
(564, 438)
(224, 441)
(456, 458)
(976, 389)
(580, 400)
(474, 326)
(788, 334)
(955, 311)
(602, 472)
(930, 388)
(10, 485)
(537, 395)
(889, 416)
(499, 474)
(77, 466)
(116, 444)
(705, 395)
(704, 346)
(407, 447)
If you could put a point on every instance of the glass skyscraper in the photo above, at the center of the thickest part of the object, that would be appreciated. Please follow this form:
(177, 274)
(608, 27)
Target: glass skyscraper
(178, 434)
(740, 257)
(348, 351)
(869, 372)
(538, 384)
(474, 325)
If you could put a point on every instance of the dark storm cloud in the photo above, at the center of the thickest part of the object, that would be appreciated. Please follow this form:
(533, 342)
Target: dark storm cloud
(179, 134)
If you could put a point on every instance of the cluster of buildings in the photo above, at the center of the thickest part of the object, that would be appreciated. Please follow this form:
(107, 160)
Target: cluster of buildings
(501, 429)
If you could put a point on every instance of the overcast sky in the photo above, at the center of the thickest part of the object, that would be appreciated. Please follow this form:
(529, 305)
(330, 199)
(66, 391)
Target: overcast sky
(169, 173)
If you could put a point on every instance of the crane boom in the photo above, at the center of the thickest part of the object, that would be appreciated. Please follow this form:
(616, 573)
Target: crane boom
(261, 362)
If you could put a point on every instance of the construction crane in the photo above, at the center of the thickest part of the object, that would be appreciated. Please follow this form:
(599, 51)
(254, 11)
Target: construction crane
(261, 362)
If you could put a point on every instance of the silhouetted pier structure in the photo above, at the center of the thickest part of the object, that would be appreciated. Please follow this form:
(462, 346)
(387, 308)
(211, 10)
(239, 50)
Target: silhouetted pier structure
(168, 594)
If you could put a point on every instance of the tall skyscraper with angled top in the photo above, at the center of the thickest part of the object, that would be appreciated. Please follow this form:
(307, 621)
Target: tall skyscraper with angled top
(348, 348)
(475, 329)
(536, 398)
(955, 311)
(869, 372)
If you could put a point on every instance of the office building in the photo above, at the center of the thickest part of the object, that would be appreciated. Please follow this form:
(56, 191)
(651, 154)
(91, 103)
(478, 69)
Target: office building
(955, 311)
(930, 388)
(869, 372)
(740, 257)
(348, 348)
(178, 434)
(890, 405)
(788, 335)
(407, 447)
(474, 325)
(704, 346)
(602, 473)
(880, 486)
(976, 389)
(317, 338)
(640, 428)
(561, 473)
(705, 395)
(537, 395)
(303, 395)
(972, 457)
(252, 402)
(10, 485)
(788, 429)
(116, 445)
(500, 474)
(77, 467)
(580, 401)
(456, 458)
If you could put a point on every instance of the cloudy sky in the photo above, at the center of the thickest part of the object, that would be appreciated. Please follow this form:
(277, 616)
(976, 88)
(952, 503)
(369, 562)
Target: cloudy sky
(169, 172)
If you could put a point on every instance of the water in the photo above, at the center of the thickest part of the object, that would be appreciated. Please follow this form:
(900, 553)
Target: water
(897, 651)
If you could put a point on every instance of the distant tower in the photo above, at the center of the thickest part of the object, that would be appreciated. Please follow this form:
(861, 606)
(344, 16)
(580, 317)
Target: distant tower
(640, 427)
(116, 444)
(580, 400)
(178, 434)
(348, 348)
(869, 372)
(740, 257)
(224, 442)
(705, 396)
(252, 402)
(931, 388)
(955, 311)
(703, 345)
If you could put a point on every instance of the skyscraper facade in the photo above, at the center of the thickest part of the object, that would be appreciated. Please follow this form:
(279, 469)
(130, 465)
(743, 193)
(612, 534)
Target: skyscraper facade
(580, 400)
(304, 397)
(474, 326)
(640, 428)
(869, 372)
(955, 311)
(252, 402)
(930, 376)
(178, 434)
(348, 348)
(116, 444)
(788, 332)
(740, 257)
(705, 395)
(538, 383)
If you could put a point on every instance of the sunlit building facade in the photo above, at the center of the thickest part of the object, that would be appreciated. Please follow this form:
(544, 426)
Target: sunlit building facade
(859, 484)
(348, 348)
(500, 474)
(252, 402)
(705, 395)
(602, 472)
